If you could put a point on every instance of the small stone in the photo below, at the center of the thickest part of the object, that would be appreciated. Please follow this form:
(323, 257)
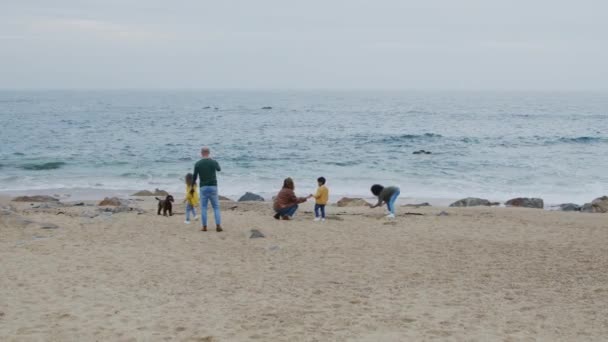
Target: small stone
(443, 213)
(48, 226)
(256, 234)
(79, 204)
(267, 107)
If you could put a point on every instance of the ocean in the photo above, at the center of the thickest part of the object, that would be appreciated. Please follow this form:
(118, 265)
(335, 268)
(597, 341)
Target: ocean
(494, 145)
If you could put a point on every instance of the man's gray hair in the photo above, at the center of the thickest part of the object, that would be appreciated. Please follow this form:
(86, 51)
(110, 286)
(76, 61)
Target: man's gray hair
(205, 149)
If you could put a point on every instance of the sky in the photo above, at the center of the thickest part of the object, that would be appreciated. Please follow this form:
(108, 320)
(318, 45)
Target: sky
(312, 44)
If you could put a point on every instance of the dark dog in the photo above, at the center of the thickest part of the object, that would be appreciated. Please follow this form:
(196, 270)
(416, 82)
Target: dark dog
(165, 205)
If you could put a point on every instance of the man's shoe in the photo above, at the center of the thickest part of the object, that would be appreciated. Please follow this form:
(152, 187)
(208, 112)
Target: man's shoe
(390, 216)
(286, 218)
(277, 217)
(204, 229)
(317, 219)
(219, 228)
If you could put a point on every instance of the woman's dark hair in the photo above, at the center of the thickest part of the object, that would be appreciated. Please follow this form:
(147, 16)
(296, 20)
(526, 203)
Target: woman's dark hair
(189, 179)
(288, 183)
(321, 180)
(377, 189)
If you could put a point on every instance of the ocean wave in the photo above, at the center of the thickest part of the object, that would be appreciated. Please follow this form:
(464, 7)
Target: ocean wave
(135, 175)
(348, 163)
(409, 137)
(42, 166)
(582, 140)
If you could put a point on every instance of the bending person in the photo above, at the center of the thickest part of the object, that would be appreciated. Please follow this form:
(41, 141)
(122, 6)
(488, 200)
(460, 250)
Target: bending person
(286, 202)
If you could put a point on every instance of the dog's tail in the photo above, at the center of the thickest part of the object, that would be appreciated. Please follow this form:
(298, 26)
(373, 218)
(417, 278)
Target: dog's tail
(158, 199)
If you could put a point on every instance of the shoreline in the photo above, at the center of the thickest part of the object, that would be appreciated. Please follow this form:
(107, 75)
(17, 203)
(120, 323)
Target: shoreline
(96, 194)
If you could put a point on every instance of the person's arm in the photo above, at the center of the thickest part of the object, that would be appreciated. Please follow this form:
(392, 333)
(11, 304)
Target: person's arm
(194, 174)
(318, 194)
(377, 204)
(217, 166)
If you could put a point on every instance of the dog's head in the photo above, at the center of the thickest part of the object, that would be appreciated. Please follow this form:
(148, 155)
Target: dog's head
(169, 198)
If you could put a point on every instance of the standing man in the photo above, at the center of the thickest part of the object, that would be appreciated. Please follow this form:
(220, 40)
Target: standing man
(205, 169)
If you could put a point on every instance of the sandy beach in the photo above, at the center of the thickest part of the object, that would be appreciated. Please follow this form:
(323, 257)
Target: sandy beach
(477, 274)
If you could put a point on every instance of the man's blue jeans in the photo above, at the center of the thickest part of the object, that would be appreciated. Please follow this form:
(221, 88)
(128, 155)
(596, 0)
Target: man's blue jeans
(209, 193)
(289, 211)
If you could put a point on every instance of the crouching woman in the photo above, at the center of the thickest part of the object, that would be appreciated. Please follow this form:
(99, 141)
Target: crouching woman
(286, 202)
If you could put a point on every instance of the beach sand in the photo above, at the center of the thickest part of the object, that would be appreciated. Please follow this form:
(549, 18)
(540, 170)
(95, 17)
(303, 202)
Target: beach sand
(477, 274)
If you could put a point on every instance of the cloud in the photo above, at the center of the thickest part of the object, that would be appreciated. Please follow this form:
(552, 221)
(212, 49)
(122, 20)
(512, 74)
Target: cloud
(96, 28)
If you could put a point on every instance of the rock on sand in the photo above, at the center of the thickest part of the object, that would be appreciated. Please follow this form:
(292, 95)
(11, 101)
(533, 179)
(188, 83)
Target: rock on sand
(471, 202)
(352, 202)
(525, 202)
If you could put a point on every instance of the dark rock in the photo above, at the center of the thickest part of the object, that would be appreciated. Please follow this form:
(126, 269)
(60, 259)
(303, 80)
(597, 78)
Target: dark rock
(425, 204)
(37, 198)
(159, 192)
(352, 202)
(256, 234)
(249, 196)
(471, 202)
(79, 204)
(114, 201)
(267, 107)
(443, 213)
(569, 207)
(206, 107)
(422, 152)
(48, 226)
(598, 205)
(525, 202)
(224, 198)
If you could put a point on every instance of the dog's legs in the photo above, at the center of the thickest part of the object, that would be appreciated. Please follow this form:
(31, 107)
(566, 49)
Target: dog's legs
(159, 209)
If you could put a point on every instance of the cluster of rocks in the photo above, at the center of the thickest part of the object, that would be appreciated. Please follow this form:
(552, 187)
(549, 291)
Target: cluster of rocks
(598, 205)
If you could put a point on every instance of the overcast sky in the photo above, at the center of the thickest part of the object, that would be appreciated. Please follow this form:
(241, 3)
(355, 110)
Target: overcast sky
(385, 44)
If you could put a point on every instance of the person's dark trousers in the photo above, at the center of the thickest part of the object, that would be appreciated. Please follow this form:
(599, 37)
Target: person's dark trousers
(321, 208)
(289, 211)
